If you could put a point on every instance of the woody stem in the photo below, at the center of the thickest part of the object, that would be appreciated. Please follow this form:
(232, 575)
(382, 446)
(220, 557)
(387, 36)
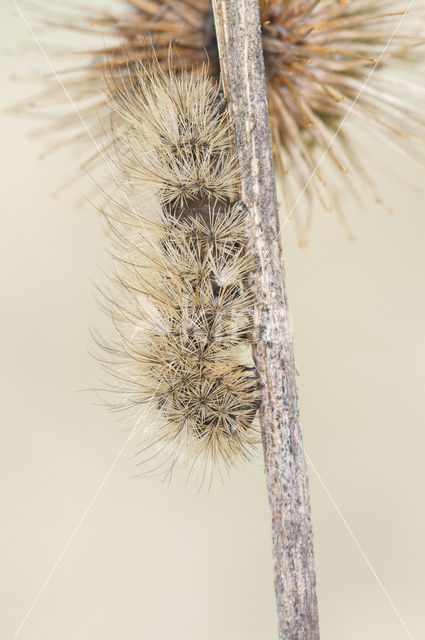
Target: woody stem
(238, 32)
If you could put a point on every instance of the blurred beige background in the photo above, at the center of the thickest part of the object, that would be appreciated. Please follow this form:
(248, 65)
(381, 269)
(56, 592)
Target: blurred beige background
(154, 561)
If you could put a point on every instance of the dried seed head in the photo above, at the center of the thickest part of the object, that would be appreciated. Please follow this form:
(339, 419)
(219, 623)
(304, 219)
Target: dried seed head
(325, 60)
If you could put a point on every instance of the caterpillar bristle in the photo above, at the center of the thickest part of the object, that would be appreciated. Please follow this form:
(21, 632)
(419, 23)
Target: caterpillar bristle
(182, 311)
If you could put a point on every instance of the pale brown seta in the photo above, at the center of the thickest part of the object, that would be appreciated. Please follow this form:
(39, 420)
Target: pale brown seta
(180, 305)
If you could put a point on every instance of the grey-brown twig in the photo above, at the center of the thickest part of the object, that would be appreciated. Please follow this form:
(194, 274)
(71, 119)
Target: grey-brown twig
(242, 67)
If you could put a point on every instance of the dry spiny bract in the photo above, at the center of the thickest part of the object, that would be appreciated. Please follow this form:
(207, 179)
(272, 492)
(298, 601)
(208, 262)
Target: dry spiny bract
(181, 308)
(319, 55)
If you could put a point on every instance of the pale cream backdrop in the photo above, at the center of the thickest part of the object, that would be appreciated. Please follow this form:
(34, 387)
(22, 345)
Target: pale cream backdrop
(153, 561)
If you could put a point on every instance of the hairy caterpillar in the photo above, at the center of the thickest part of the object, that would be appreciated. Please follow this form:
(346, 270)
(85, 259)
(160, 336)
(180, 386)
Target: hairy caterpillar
(181, 308)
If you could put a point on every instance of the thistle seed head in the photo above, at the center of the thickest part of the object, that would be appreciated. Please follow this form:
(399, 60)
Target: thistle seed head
(328, 63)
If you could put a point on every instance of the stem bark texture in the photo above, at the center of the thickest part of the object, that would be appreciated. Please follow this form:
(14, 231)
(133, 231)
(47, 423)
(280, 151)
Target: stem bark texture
(239, 39)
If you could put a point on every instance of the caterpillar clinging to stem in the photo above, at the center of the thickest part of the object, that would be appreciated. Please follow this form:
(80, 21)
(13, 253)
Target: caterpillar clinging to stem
(182, 310)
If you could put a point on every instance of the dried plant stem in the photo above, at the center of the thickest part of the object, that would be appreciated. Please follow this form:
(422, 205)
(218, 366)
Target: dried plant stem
(242, 67)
